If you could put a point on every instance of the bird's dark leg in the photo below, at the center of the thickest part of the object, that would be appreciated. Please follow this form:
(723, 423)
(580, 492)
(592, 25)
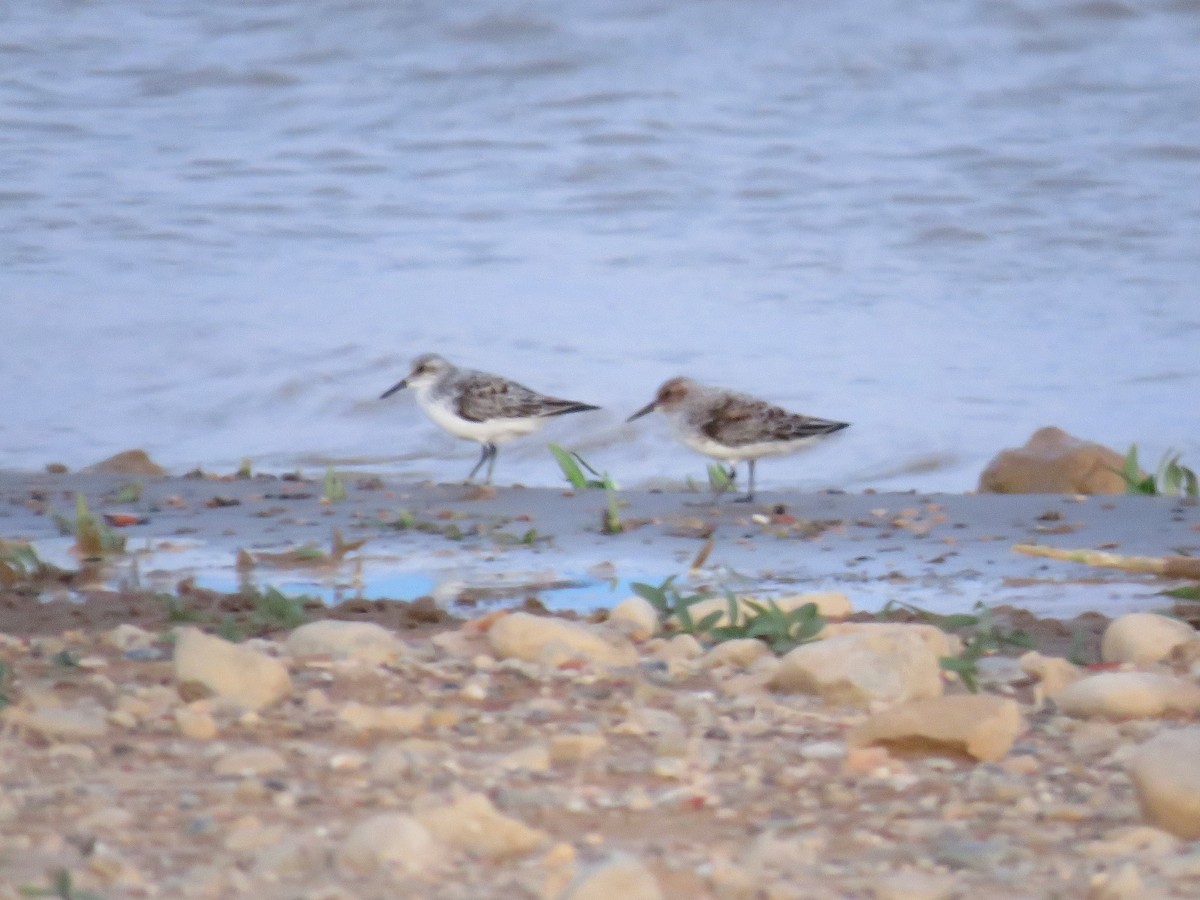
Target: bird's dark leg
(486, 453)
(749, 498)
(495, 451)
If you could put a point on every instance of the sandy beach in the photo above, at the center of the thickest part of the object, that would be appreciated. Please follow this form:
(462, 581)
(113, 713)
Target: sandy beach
(454, 765)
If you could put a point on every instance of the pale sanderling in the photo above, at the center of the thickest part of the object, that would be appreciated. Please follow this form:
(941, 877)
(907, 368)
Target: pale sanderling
(479, 406)
(731, 426)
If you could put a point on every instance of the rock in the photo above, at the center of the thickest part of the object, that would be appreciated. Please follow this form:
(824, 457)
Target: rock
(740, 653)
(1128, 695)
(636, 617)
(1167, 781)
(392, 719)
(534, 758)
(555, 642)
(1054, 462)
(1143, 638)
(621, 876)
(940, 643)
(1053, 672)
(59, 724)
(915, 886)
(364, 641)
(250, 761)
(680, 648)
(209, 665)
(474, 825)
(565, 748)
(392, 842)
(977, 725)
(128, 462)
(197, 724)
(891, 665)
(129, 637)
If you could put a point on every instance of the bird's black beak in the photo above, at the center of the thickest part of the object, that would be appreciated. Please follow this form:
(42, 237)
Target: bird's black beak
(395, 387)
(648, 408)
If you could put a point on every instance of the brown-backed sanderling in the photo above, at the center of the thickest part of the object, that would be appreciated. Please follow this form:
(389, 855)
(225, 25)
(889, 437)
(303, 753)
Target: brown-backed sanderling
(479, 406)
(731, 426)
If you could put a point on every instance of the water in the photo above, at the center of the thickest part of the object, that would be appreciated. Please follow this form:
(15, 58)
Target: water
(226, 227)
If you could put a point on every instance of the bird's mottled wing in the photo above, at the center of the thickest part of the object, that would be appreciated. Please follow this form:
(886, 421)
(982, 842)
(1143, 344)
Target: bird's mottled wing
(483, 397)
(737, 421)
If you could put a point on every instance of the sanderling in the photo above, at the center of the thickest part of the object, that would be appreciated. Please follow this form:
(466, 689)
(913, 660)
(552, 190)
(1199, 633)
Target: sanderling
(731, 426)
(479, 406)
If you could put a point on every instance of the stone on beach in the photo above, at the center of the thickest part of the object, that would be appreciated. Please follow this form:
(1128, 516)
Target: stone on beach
(555, 642)
(365, 641)
(209, 665)
(392, 842)
(59, 723)
(1128, 695)
(1143, 638)
(474, 825)
(940, 643)
(250, 761)
(1167, 781)
(636, 617)
(127, 462)
(620, 876)
(390, 719)
(976, 725)
(1053, 672)
(1054, 462)
(893, 664)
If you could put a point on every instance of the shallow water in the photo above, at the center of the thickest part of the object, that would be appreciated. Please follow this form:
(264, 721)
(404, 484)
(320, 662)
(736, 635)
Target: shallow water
(226, 227)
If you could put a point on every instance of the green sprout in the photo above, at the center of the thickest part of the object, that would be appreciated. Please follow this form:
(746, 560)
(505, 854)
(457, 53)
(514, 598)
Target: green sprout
(1171, 478)
(93, 538)
(335, 488)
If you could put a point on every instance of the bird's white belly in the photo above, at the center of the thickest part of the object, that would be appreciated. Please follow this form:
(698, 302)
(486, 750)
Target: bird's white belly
(493, 431)
(703, 444)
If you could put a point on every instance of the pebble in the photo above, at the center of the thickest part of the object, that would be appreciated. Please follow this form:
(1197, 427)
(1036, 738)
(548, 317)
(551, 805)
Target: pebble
(250, 761)
(390, 841)
(1128, 695)
(1143, 638)
(978, 725)
(636, 617)
(621, 877)
(857, 668)
(473, 824)
(210, 665)
(390, 719)
(365, 642)
(1166, 778)
(555, 642)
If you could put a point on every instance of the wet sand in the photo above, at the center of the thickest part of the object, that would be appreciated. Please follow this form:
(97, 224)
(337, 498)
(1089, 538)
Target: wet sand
(465, 549)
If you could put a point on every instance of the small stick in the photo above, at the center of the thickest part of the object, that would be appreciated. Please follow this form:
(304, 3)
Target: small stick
(1167, 566)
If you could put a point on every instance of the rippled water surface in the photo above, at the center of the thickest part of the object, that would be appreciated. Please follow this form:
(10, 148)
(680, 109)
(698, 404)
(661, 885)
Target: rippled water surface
(226, 226)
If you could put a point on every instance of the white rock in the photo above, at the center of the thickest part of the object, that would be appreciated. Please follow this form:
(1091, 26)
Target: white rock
(250, 761)
(197, 724)
(1167, 781)
(392, 842)
(681, 647)
(619, 877)
(364, 641)
(1143, 638)
(554, 642)
(473, 824)
(978, 725)
(128, 637)
(915, 886)
(60, 724)
(534, 758)
(392, 719)
(940, 642)
(1128, 695)
(856, 668)
(210, 665)
(565, 748)
(740, 653)
(636, 617)
(1053, 672)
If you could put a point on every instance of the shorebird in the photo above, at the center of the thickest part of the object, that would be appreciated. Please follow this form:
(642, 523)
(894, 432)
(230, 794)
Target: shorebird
(731, 426)
(479, 406)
